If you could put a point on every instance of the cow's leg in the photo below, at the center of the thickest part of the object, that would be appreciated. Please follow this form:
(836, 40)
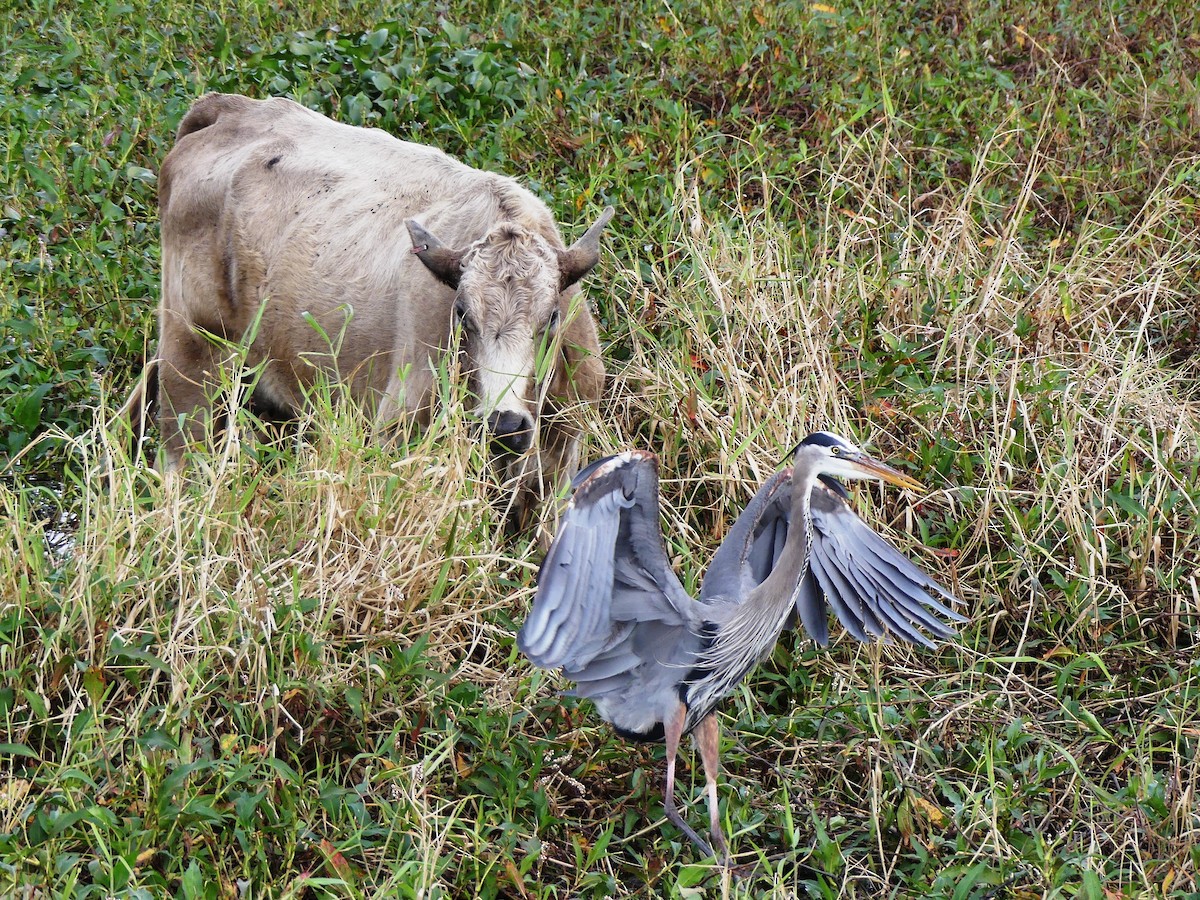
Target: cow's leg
(405, 400)
(544, 473)
(189, 374)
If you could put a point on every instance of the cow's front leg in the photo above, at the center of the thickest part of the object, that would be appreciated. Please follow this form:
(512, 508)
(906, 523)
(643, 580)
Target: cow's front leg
(403, 407)
(190, 374)
(544, 475)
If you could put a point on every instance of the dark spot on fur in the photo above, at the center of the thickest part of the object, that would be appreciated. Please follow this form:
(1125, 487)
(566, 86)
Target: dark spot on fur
(273, 161)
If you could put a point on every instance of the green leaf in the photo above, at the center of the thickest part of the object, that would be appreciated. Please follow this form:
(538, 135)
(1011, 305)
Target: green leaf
(157, 739)
(376, 39)
(27, 411)
(174, 782)
(354, 699)
(17, 750)
(192, 883)
(200, 809)
(1129, 504)
(95, 683)
(118, 652)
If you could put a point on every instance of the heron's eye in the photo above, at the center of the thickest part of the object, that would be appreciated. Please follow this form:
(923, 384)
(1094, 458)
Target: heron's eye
(835, 450)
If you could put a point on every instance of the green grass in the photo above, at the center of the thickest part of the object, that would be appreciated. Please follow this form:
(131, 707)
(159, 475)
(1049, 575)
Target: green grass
(964, 234)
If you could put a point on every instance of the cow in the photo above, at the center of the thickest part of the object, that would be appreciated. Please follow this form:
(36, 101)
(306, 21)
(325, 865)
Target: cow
(325, 249)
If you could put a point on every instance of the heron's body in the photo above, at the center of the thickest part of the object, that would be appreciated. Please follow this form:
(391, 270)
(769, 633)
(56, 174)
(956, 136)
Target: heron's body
(612, 614)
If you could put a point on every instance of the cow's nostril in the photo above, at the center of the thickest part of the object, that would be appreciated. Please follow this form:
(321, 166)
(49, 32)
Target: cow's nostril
(511, 430)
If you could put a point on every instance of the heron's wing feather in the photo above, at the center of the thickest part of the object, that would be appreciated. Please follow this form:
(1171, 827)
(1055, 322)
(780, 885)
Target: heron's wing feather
(880, 616)
(878, 601)
(915, 605)
(811, 609)
(873, 588)
(605, 576)
(846, 605)
(753, 544)
(887, 555)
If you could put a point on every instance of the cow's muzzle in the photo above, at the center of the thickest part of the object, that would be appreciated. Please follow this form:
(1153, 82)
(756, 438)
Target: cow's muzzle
(511, 430)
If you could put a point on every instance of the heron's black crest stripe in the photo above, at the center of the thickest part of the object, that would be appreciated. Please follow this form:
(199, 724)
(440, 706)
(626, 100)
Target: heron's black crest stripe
(821, 439)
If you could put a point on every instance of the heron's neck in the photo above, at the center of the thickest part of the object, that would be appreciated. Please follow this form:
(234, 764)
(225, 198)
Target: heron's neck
(774, 598)
(750, 631)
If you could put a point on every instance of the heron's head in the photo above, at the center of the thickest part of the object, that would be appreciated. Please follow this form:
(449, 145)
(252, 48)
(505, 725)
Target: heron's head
(822, 453)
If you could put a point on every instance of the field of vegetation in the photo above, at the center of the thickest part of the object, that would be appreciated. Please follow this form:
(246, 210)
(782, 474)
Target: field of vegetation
(961, 232)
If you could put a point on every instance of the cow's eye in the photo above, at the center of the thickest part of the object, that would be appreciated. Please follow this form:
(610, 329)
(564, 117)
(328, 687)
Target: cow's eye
(552, 322)
(462, 319)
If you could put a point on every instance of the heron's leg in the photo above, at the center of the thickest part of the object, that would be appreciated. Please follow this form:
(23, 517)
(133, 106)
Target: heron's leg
(673, 732)
(708, 739)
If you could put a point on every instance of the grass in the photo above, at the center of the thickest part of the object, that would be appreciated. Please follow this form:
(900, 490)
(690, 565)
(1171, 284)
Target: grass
(965, 235)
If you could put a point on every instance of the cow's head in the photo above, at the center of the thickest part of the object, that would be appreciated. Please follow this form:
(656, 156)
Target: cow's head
(509, 287)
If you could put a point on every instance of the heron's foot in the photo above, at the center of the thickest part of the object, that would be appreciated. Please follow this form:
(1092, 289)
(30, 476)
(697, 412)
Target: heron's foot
(722, 846)
(678, 822)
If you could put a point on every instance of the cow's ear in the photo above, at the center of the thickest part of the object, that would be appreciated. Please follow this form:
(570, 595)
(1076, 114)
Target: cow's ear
(578, 259)
(443, 262)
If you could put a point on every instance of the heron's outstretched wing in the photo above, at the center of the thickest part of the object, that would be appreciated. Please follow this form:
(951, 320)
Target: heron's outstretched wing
(607, 598)
(753, 544)
(875, 590)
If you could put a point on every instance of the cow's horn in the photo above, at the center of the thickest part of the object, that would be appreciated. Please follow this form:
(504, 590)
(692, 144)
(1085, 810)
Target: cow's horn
(578, 259)
(443, 262)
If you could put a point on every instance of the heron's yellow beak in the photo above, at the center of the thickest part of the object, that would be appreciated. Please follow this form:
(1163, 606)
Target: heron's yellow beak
(886, 473)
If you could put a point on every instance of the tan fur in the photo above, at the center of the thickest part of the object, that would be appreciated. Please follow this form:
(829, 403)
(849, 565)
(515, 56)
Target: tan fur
(269, 201)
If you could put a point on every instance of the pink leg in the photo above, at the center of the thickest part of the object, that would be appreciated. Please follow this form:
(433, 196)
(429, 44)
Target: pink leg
(708, 739)
(674, 731)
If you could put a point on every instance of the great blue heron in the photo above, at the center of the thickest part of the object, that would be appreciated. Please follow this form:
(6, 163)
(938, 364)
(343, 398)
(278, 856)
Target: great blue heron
(610, 611)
